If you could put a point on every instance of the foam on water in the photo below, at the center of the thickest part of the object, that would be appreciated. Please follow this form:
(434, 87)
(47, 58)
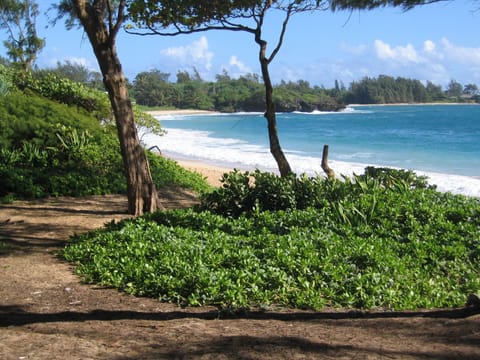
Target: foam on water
(235, 153)
(347, 110)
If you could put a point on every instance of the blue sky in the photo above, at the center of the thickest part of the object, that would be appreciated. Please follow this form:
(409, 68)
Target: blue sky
(437, 42)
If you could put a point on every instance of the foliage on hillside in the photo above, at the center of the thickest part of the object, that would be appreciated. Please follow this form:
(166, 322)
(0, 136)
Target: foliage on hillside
(27, 117)
(380, 240)
(227, 94)
(57, 138)
(59, 89)
(246, 93)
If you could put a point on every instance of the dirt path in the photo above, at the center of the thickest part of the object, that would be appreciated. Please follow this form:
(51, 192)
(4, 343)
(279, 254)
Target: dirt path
(47, 313)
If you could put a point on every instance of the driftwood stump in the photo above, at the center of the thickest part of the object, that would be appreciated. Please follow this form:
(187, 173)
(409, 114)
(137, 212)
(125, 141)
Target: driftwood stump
(330, 173)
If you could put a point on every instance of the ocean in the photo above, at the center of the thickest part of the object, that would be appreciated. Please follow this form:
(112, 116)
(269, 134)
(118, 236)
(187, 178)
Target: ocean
(439, 141)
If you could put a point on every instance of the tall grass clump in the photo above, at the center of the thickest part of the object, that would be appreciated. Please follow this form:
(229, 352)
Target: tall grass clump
(383, 239)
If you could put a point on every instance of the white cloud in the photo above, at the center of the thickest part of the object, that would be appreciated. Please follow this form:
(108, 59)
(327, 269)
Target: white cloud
(82, 61)
(77, 61)
(428, 60)
(197, 53)
(323, 72)
(236, 63)
(90, 65)
(428, 46)
(236, 68)
(401, 54)
(463, 55)
(432, 51)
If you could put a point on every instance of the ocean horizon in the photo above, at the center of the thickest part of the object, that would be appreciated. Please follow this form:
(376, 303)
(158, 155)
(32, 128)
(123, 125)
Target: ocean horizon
(441, 142)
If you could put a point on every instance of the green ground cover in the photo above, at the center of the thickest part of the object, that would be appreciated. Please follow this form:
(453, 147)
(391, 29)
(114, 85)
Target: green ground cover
(381, 240)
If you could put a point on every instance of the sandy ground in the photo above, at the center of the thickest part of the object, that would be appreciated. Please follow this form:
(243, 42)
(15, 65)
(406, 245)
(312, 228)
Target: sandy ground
(212, 173)
(180, 112)
(46, 312)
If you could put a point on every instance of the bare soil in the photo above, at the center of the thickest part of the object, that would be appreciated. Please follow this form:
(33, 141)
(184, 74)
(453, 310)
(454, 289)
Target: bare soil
(46, 312)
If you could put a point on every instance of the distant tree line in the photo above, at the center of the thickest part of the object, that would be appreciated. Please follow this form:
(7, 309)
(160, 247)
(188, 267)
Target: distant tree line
(227, 94)
(388, 90)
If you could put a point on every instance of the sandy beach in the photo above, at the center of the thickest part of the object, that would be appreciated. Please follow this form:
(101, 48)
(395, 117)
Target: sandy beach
(212, 173)
(180, 112)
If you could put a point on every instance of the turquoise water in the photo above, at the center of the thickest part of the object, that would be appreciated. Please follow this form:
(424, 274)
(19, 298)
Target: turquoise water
(441, 139)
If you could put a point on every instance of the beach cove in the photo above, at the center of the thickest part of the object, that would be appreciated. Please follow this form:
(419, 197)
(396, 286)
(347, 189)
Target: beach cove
(402, 136)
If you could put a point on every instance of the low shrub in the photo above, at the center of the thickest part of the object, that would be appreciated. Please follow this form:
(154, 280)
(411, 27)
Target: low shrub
(79, 165)
(374, 246)
(244, 192)
(71, 167)
(65, 91)
(168, 172)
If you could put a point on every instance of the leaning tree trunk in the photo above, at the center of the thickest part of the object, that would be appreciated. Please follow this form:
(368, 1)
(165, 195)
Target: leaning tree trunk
(275, 148)
(141, 190)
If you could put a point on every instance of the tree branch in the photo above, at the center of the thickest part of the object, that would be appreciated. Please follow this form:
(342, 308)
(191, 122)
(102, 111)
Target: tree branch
(223, 25)
(111, 27)
(282, 34)
(120, 18)
(81, 10)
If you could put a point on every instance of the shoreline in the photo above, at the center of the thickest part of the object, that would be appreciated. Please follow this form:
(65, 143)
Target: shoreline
(180, 112)
(416, 104)
(212, 173)
(174, 112)
(212, 165)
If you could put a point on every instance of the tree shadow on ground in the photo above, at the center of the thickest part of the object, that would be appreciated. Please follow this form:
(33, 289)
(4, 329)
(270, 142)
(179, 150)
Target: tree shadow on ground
(281, 347)
(20, 239)
(457, 326)
(12, 315)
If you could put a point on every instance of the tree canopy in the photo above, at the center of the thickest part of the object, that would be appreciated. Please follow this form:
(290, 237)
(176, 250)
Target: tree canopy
(372, 4)
(185, 16)
(18, 18)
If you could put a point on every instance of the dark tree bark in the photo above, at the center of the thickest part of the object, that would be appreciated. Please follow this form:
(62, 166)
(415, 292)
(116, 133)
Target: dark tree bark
(270, 115)
(141, 190)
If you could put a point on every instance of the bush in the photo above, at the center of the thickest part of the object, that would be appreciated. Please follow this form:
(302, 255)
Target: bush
(6, 80)
(396, 177)
(258, 191)
(79, 164)
(374, 246)
(248, 191)
(56, 139)
(70, 167)
(167, 172)
(65, 91)
(30, 118)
